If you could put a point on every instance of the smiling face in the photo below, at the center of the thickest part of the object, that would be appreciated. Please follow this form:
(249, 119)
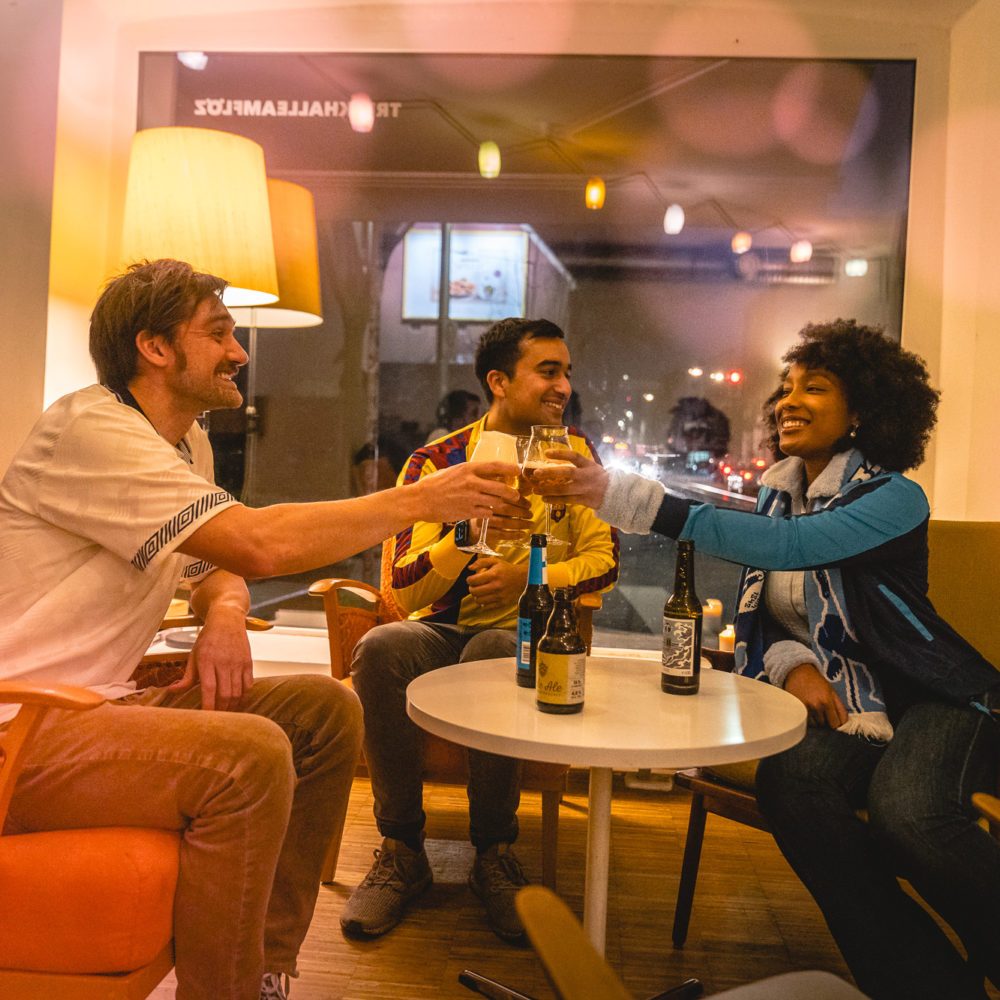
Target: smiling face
(207, 357)
(538, 391)
(812, 416)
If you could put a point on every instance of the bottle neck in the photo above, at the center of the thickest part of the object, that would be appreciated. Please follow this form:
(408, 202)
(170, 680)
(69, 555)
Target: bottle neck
(537, 572)
(684, 572)
(563, 619)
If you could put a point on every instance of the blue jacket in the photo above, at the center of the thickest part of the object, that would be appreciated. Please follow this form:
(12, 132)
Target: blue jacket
(872, 538)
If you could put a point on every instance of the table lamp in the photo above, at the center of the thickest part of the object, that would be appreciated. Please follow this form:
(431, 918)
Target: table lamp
(200, 195)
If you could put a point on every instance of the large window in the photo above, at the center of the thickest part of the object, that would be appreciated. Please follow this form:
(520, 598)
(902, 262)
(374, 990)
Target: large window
(743, 198)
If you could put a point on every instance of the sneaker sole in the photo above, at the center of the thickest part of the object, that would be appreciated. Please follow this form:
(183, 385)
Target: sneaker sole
(521, 937)
(356, 929)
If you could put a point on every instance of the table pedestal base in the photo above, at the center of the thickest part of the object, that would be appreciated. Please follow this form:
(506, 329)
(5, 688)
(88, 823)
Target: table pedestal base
(595, 887)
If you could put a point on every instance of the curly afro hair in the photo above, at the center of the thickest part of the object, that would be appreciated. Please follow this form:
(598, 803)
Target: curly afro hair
(886, 386)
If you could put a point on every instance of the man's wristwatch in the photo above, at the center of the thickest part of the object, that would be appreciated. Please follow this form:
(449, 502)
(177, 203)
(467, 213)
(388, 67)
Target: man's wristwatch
(462, 534)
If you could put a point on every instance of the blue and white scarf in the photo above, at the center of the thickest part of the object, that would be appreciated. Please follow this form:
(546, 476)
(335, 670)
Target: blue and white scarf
(832, 639)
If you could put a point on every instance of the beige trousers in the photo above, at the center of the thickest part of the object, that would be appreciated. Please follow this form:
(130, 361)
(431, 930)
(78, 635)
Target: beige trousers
(257, 795)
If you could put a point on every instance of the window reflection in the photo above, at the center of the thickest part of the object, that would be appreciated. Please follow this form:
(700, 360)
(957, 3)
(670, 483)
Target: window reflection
(675, 330)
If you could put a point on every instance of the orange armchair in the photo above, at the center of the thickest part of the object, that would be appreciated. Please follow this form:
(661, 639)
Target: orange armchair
(87, 913)
(352, 608)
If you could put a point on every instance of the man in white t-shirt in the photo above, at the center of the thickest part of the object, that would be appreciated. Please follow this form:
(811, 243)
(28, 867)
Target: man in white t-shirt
(107, 506)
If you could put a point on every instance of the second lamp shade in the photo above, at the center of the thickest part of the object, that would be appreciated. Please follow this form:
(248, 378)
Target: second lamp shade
(293, 221)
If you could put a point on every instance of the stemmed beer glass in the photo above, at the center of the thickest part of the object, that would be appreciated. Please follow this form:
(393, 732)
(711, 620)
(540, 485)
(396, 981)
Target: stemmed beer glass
(539, 470)
(493, 446)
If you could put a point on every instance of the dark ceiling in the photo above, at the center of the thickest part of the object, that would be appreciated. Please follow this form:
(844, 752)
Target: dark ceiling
(783, 148)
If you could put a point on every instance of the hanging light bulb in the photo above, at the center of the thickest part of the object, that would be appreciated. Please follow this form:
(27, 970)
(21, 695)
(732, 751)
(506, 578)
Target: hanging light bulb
(361, 112)
(193, 60)
(489, 159)
(673, 220)
(801, 251)
(594, 194)
(741, 242)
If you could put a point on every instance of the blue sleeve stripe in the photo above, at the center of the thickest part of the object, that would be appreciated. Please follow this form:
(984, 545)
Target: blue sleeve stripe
(903, 608)
(873, 513)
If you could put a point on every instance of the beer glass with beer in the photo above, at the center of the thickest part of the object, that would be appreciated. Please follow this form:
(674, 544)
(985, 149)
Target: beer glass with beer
(539, 470)
(493, 446)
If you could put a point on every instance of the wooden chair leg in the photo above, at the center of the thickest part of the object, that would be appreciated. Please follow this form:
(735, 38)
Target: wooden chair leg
(689, 870)
(550, 837)
(329, 873)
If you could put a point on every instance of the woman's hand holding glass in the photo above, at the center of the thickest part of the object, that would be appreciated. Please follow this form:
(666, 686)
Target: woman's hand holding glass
(571, 478)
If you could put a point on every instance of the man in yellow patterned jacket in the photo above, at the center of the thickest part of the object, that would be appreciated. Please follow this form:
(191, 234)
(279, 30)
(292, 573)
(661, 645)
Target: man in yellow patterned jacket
(462, 607)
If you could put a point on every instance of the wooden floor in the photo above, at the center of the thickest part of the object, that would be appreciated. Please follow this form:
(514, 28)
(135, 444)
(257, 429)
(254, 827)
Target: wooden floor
(751, 917)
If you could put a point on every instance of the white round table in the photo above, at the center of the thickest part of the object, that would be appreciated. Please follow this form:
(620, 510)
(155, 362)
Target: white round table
(626, 722)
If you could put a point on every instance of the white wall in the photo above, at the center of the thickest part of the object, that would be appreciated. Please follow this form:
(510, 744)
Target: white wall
(29, 72)
(968, 444)
(937, 269)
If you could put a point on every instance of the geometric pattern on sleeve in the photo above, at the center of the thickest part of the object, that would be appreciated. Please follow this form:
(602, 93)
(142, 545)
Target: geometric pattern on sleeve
(165, 534)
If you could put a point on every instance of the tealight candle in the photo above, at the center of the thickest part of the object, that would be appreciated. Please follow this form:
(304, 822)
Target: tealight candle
(711, 621)
(727, 639)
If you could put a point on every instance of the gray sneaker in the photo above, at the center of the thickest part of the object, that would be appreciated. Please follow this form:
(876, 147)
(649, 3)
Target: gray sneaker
(495, 878)
(398, 875)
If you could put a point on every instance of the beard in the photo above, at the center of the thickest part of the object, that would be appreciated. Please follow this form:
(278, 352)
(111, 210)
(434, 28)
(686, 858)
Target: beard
(206, 392)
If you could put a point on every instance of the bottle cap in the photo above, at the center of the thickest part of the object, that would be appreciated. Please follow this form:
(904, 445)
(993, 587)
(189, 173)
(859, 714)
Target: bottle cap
(538, 541)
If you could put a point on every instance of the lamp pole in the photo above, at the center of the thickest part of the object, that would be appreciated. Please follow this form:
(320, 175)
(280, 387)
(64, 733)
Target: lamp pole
(250, 450)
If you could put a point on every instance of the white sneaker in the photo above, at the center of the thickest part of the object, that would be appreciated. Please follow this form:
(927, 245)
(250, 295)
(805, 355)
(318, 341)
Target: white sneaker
(274, 986)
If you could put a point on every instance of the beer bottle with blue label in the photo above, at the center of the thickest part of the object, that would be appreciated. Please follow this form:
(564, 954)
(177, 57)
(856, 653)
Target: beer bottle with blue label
(533, 610)
(562, 660)
(682, 628)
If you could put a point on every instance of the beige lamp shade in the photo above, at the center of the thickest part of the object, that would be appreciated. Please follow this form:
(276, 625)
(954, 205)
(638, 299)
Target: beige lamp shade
(200, 195)
(293, 222)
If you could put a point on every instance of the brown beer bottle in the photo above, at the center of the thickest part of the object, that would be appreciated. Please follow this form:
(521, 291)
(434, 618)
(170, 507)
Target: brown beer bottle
(561, 660)
(682, 628)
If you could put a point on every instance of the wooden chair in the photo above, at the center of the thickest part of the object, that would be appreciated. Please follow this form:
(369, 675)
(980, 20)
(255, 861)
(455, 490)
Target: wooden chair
(352, 608)
(577, 972)
(989, 808)
(86, 914)
(964, 586)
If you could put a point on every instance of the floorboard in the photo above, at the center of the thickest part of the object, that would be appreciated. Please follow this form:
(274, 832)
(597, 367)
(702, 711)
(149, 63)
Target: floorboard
(751, 917)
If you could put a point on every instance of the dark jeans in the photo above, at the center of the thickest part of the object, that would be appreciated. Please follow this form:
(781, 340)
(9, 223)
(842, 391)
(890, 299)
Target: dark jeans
(385, 661)
(921, 826)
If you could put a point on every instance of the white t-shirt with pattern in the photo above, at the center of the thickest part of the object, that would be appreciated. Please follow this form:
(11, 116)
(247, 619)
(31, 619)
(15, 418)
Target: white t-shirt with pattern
(92, 510)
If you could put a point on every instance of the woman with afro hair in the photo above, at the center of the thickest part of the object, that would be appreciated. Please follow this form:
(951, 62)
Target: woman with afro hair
(833, 607)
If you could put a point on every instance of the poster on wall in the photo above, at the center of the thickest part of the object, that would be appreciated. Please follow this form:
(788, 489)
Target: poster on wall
(488, 273)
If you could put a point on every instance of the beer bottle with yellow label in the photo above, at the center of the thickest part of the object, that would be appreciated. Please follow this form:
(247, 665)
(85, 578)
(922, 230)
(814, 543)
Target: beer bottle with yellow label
(561, 660)
(682, 628)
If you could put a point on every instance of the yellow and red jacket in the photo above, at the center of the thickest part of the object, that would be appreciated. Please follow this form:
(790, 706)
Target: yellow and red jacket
(429, 573)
